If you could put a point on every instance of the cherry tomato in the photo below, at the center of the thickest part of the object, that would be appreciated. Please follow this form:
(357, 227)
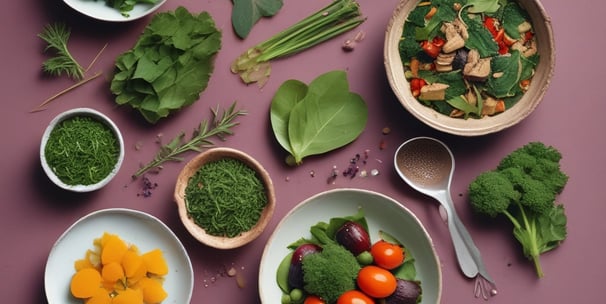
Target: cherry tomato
(311, 299)
(354, 297)
(387, 255)
(376, 282)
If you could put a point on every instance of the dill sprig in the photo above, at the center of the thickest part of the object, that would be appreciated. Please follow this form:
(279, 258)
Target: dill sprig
(57, 36)
(221, 127)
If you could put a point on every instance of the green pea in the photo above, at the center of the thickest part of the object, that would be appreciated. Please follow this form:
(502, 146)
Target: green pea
(365, 258)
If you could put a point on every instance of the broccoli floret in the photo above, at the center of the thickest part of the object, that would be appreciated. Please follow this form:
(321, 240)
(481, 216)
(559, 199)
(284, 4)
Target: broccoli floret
(330, 273)
(524, 187)
(539, 162)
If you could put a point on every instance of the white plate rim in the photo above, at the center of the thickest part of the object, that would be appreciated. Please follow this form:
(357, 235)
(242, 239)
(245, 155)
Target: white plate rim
(302, 204)
(136, 215)
(98, 9)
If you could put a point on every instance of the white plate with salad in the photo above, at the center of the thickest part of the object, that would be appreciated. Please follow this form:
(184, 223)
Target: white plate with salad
(101, 10)
(381, 213)
(136, 228)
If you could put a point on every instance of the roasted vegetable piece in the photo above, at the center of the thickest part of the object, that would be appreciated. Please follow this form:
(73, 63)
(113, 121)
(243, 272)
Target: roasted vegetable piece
(353, 237)
(85, 283)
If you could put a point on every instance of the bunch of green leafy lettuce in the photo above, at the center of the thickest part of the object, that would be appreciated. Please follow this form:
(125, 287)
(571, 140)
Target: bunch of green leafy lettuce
(314, 119)
(169, 66)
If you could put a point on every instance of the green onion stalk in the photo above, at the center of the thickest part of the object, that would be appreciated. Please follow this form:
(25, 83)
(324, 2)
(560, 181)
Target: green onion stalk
(337, 18)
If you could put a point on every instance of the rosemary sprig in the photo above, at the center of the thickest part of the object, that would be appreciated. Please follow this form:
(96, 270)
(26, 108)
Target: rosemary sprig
(57, 36)
(221, 127)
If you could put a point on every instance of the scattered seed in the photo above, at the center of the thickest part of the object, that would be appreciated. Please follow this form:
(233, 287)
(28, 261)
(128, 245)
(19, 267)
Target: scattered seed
(231, 272)
(382, 144)
(138, 145)
(348, 45)
(333, 175)
(360, 36)
(374, 172)
(386, 130)
(240, 280)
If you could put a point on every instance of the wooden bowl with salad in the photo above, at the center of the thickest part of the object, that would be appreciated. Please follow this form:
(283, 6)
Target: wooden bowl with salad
(225, 198)
(471, 67)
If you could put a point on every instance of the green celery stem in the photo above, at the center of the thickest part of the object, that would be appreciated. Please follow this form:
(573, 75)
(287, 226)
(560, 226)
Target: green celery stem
(312, 30)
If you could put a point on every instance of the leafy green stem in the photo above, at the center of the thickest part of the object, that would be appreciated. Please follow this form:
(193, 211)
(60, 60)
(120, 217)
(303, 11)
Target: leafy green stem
(221, 127)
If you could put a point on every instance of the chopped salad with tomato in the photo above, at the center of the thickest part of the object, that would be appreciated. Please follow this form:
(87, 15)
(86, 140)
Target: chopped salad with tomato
(340, 264)
(468, 58)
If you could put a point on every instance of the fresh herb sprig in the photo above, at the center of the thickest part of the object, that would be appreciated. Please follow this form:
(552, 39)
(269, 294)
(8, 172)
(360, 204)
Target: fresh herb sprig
(221, 127)
(338, 17)
(57, 37)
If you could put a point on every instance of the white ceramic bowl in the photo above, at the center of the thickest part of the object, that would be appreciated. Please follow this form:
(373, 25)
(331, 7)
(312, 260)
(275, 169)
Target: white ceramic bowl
(198, 232)
(74, 113)
(134, 227)
(381, 212)
(471, 127)
(98, 9)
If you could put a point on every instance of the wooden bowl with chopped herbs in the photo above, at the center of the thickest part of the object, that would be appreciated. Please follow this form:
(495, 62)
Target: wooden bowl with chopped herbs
(81, 150)
(469, 68)
(225, 198)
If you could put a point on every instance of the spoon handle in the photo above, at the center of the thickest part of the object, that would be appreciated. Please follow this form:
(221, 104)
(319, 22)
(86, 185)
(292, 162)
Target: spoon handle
(473, 249)
(465, 257)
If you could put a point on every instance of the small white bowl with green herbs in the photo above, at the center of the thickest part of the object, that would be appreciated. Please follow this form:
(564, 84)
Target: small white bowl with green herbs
(81, 150)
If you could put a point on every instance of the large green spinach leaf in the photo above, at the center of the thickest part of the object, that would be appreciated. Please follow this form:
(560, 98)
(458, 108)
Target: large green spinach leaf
(246, 13)
(329, 116)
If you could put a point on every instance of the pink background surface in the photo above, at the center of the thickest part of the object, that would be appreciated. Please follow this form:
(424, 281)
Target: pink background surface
(34, 213)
